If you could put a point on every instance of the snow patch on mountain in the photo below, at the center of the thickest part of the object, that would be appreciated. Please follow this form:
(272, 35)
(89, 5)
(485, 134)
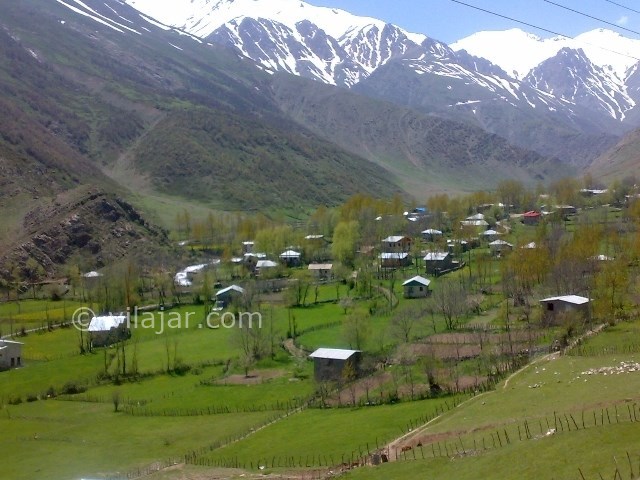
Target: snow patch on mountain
(518, 52)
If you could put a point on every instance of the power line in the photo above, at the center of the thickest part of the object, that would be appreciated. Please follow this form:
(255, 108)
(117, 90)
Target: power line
(623, 6)
(510, 18)
(592, 17)
(541, 28)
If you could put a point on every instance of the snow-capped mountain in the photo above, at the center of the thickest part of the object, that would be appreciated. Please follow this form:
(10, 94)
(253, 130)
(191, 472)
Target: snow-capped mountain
(509, 83)
(591, 70)
(326, 44)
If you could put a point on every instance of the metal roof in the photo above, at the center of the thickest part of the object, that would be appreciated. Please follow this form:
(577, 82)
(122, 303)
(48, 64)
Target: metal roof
(235, 288)
(290, 254)
(106, 322)
(393, 256)
(435, 256)
(574, 299)
(500, 242)
(418, 279)
(333, 353)
(266, 264)
(320, 266)
(431, 231)
(395, 238)
(475, 223)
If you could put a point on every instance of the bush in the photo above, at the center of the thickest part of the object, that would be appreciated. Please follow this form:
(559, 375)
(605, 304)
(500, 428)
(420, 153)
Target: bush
(32, 398)
(72, 388)
(181, 368)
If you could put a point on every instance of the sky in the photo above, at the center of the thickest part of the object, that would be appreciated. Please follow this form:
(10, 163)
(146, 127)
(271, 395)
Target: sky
(448, 21)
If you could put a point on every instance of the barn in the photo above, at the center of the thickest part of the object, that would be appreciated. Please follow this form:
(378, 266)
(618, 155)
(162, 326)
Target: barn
(329, 363)
(10, 354)
(564, 304)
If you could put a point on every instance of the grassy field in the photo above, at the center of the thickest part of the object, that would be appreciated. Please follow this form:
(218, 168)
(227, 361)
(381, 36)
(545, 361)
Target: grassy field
(190, 397)
(57, 439)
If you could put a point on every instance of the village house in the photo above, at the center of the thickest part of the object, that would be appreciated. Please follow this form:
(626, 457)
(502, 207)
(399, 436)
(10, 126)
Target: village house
(416, 287)
(329, 364)
(431, 234)
(476, 220)
(531, 218)
(262, 265)
(564, 304)
(566, 210)
(105, 330)
(228, 295)
(456, 245)
(10, 354)
(396, 243)
(490, 235)
(498, 247)
(291, 258)
(247, 247)
(394, 260)
(322, 271)
(438, 262)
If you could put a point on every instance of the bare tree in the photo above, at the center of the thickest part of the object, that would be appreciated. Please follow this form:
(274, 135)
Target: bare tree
(357, 330)
(404, 323)
(450, 300)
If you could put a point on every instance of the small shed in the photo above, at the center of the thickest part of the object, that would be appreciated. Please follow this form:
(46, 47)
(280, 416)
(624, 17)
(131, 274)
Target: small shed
(329, 363)
(436, 262)
(105, 330)
(554, 306)
(228, 295)
(396, 243)
(416, 287)
(322, 271)
(10, 354)
(394, 259)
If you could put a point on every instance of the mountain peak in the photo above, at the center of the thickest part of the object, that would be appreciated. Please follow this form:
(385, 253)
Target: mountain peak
(203, 17)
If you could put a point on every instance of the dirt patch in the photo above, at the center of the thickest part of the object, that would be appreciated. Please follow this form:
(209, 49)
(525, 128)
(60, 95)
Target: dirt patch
(254, 377)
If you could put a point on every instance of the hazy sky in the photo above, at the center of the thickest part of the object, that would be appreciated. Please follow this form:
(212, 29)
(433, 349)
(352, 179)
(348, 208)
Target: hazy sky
(448, 21)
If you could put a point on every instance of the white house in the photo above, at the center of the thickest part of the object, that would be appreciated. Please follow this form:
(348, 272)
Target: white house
(10, 354)
(106, 330)
(416, 287)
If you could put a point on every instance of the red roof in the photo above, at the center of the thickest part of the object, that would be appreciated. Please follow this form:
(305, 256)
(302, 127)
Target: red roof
(532, 214)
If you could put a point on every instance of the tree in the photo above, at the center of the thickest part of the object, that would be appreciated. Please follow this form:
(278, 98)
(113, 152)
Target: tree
(403, 323)
(450, 300)
(345, 240)
(357, 330)
(349, 376)
(33, 273)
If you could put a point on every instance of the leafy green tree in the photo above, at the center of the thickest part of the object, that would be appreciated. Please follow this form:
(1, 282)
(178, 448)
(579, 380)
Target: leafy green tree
(345, 242)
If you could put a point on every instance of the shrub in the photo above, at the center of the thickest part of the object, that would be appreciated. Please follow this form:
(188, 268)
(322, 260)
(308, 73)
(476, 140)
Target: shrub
(72, 388)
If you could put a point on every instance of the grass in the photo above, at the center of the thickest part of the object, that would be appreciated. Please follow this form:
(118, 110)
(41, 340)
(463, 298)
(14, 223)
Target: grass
(333, 434)
(594, 452)
(57, 439)
(206, 389)
(35, 313)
